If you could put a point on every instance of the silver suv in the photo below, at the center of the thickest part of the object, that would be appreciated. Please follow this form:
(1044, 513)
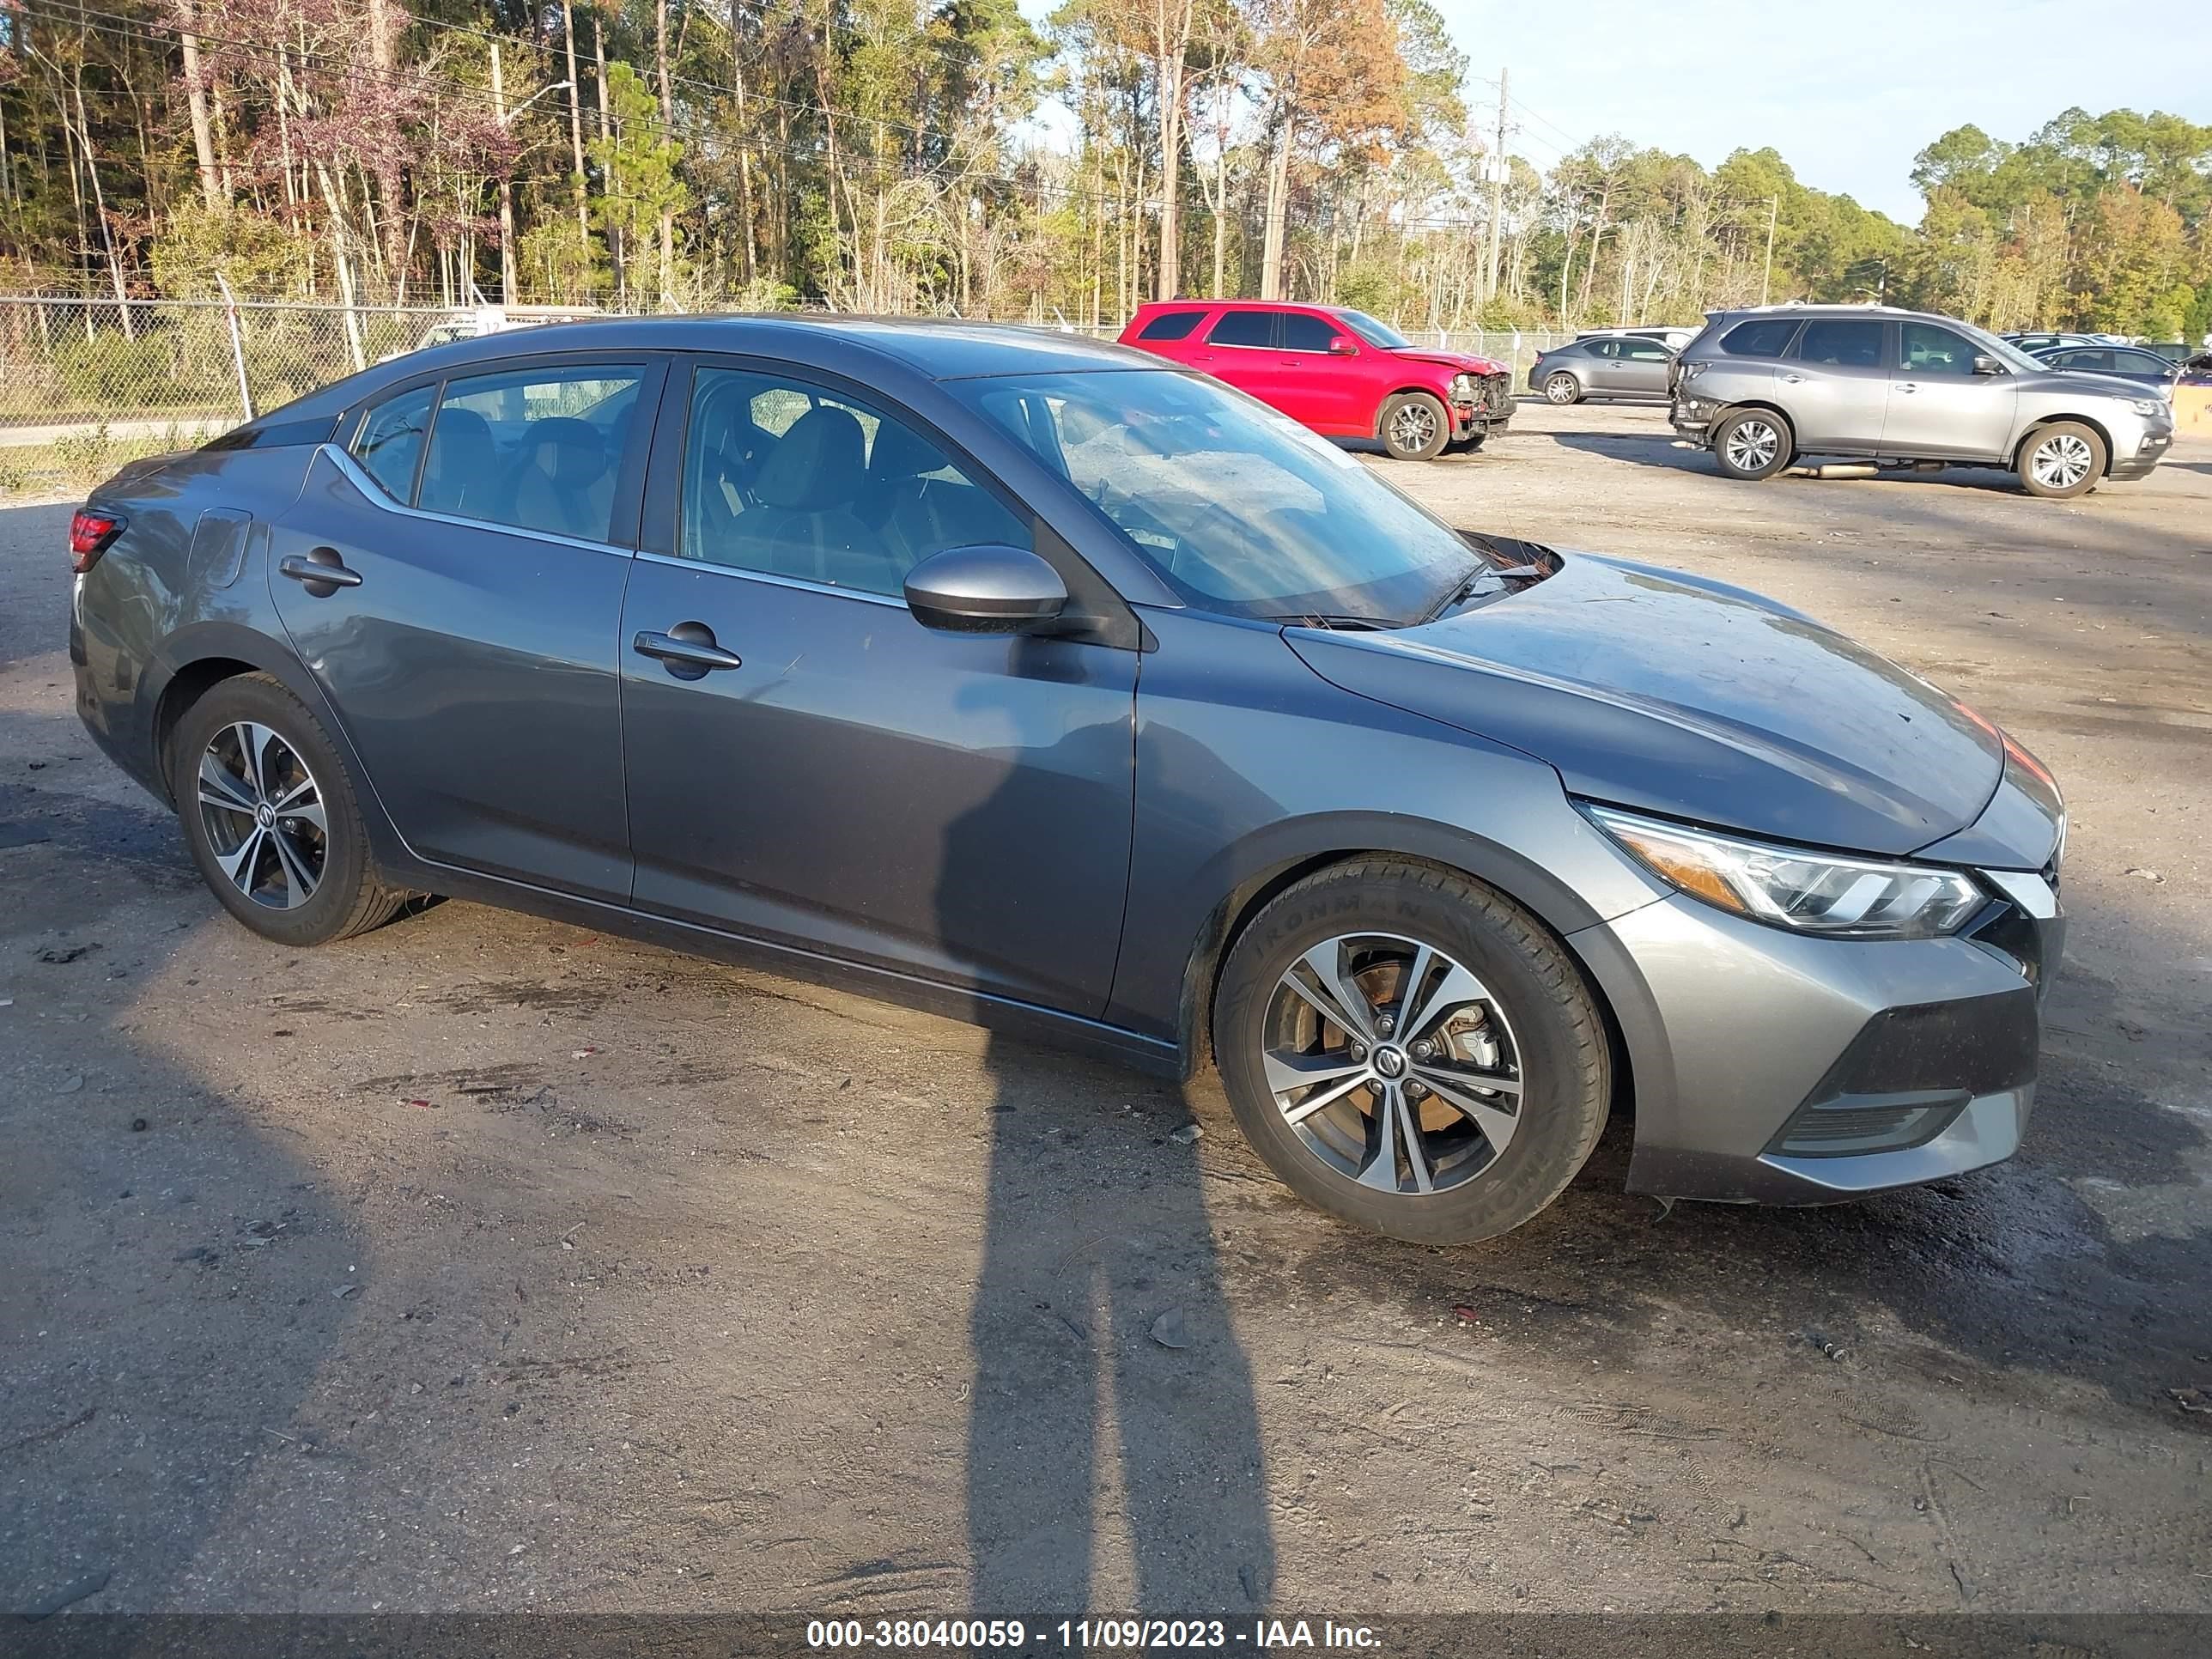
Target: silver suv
(1904, 388)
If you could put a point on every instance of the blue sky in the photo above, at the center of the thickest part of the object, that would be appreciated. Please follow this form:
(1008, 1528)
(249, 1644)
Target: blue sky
(1846, 93)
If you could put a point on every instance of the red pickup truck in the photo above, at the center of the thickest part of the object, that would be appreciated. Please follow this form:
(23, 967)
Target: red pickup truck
(1340, 372)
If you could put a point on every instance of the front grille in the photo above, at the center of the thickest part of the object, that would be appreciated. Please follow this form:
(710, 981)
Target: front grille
(1498, 390)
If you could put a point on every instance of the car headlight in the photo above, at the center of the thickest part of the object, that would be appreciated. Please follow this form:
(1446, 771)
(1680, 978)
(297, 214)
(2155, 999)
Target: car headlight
(1462, 388)
(1796, 887)
(2148, 406)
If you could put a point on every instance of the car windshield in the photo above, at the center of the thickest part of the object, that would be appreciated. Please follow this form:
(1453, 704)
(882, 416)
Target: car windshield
(2003, 350)
(1243, 510)
(1374, 332)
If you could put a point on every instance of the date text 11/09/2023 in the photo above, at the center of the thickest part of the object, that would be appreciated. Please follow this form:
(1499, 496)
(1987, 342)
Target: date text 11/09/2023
(1260, 1635)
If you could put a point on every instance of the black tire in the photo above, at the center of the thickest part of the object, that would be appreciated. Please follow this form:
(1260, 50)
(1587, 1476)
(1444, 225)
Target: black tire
(1753, 444)
(328, 863)
(1550, 1018)
(2061, 461)
(1414, 426)
(1562, 389)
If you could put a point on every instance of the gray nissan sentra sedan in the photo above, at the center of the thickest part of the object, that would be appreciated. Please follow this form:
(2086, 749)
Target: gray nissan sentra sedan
(1040, 683)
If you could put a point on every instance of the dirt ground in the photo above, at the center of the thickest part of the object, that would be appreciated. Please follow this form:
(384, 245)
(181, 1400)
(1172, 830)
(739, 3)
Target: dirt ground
(484, 1263)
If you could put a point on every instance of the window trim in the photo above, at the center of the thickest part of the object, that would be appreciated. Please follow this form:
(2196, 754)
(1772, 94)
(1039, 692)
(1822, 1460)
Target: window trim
(1274, 330)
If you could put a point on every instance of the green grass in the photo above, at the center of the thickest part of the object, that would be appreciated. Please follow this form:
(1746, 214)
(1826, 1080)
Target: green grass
(78, 462)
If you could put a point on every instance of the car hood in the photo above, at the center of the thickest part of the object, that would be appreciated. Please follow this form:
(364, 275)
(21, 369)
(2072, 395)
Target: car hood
(2080, 380)
(1462, 361)
(1654, 689)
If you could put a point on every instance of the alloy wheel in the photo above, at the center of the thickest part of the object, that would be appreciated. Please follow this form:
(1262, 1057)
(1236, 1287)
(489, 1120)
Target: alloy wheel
(1560, 389)
(264, 815)
(1413, 428)
(1393, 1063)
(1753, 445)
(2062, 461)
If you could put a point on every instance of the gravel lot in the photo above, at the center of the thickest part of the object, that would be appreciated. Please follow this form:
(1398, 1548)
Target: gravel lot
(485, 1263)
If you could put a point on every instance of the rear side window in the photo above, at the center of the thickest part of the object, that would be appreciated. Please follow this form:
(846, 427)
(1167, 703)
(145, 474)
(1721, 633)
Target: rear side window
(1243, 328)
(1304, 333)
(1841, 341)
(1171, 325)
(538, 449)
(1768, 336)
(389, 445)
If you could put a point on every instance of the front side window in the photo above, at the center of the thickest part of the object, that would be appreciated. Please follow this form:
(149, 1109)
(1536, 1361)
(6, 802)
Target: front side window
(536, 448)
(1241, 509)
(1171, 325)
(1243, 328)
(1841, 343)
(1931, 350)
(790, 479)
(1768, 336)
(389, 445)
(1302, 332)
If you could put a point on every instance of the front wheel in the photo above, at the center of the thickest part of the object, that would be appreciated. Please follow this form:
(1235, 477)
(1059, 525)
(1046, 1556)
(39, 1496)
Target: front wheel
(2062, 460)
(1415, 427)
(1562, 389)
(1752, 444)
(1412, 1051)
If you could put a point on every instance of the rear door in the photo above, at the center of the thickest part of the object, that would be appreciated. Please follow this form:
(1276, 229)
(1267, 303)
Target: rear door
(1834, 385)
(839, 779)
(1173, 333)
(1241, 348)
(454, 578)
(1939, 407)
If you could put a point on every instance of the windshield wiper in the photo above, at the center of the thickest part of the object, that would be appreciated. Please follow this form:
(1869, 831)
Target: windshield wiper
(1323, 619)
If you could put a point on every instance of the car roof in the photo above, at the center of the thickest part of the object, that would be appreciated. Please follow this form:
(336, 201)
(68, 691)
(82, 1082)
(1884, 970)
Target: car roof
(933, 348)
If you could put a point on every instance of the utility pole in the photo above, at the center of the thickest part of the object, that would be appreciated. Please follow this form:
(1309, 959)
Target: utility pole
(506, 188)
(1766, 282)
(1497, 170)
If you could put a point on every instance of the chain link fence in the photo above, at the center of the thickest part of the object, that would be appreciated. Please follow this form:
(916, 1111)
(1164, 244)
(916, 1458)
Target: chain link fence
(88, 384)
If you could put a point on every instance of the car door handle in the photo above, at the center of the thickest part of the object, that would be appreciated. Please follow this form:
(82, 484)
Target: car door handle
(322, 573)
(1791, 380)
(1906, 386)
(688, 649)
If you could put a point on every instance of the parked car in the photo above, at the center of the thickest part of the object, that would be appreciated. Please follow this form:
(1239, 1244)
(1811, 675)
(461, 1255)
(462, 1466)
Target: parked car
(491, 319)
(818, 643)
(1602, 366)
(2034, 343)
(2128, 363)
(1762, 388)
(1340, 373)
(2174, 351)
(1673, 336)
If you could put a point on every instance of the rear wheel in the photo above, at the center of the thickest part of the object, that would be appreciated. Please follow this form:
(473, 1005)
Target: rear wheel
(1414, 426)
(2061, 460)
(270, 814)
(1563, 388)
(1412, 1051)
(1752, 444)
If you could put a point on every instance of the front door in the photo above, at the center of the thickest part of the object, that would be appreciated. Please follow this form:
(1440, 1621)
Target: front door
(1640, 366)
(1329, 392)
(816, 769)
(465, 631)
(1938, 406)
(1834, 386)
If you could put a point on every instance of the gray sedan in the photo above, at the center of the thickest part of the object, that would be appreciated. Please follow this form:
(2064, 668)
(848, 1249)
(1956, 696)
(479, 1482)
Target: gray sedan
(2135, 363)
(1032, 681)
(1602, 366)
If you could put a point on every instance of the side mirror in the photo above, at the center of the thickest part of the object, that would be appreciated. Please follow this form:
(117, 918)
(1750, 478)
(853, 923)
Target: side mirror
(988, 589)
(1343, 346)
(1986, 365)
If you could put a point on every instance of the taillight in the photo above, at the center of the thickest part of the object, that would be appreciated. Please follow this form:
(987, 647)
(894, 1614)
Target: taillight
(90, 534)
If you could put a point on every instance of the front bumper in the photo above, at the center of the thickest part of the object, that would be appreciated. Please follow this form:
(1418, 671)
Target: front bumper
(2149, 451)
(1773, 1068)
